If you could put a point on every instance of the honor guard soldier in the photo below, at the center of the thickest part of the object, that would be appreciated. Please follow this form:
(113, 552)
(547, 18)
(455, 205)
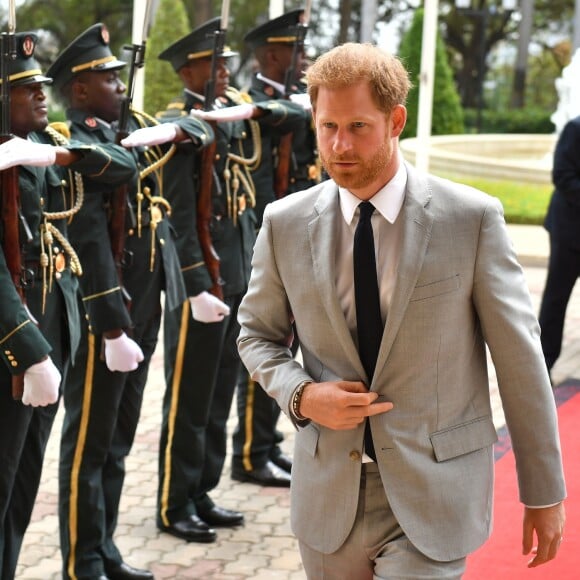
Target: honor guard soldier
(279, 53)
(39, 316)
(121, 296)
(201, 360)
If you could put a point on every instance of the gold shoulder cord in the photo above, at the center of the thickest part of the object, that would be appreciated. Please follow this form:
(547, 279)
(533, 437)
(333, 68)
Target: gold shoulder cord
(53, 262)
(156, 159)
(238, 168)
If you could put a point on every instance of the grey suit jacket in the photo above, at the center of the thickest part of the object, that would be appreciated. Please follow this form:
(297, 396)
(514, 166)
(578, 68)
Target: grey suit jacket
(459, 286)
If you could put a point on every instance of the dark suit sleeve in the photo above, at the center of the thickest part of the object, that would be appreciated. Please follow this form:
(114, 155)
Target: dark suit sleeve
(566, 170)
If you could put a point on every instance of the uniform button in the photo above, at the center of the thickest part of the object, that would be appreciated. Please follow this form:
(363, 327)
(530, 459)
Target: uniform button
(161, 241)
(10, 357)
(131, 232)
(13, 363)
(7, 352)
(354, 455)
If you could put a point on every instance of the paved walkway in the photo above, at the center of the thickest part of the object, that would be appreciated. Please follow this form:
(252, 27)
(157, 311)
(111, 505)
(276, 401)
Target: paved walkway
(264, 549)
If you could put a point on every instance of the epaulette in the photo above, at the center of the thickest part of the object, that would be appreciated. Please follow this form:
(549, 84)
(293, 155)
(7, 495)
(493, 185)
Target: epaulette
(60, 127)
(238, 97)
(174, 110)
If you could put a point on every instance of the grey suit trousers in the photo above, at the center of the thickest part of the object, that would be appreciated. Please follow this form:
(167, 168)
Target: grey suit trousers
(376, 533)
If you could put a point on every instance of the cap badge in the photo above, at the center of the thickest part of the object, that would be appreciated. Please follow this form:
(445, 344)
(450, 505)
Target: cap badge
(27, 46)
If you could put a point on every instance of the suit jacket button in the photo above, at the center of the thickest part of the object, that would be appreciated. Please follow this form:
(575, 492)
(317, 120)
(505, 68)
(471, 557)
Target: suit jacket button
(355, 455)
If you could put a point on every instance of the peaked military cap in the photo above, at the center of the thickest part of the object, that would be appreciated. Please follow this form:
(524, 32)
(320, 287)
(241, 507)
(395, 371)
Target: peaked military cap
(197, 44)
(24, 69)
(88, 51)
(280, 30)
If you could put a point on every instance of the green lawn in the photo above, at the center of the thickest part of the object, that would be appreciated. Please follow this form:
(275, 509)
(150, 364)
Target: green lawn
(524, 203)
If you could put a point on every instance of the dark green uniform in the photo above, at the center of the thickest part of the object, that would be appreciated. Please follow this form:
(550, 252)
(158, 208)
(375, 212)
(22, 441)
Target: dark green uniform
(256, 439)
(103, 407)
(201, 360)
(24, 430)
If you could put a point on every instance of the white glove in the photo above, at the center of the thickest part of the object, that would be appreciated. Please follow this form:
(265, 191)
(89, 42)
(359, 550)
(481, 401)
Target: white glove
(19, 151)
(302, 99)
(154, 135)
(205, 307)
(122, 354)
(41, 382)
(235, 113)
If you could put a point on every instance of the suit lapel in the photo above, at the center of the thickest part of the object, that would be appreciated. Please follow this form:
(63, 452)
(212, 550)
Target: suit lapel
(417, 224)
(323, 239)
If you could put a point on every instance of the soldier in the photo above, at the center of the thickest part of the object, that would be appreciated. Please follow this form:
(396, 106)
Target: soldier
(39, 316)
(257, 456)
(103, 392)
(199, 394)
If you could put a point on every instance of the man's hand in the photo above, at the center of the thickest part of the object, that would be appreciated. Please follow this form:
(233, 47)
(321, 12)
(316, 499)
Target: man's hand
(149, 136)
(19, 151)
(41, 382)
(122, 354)
(235, 113)
(548, 524)
(340, 405)
(206, 307)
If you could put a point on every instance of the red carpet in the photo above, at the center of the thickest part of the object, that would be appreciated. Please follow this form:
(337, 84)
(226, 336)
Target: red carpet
(500, 558)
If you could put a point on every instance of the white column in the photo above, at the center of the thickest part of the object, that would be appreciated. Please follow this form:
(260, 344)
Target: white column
(276, 8)
(368, 19)
(426, 82)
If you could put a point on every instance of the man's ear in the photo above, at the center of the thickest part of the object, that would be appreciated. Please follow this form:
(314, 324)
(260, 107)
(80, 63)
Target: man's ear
(398, 120)
(80, 90)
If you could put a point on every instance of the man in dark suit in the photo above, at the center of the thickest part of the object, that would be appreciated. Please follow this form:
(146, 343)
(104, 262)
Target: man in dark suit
(562, 222)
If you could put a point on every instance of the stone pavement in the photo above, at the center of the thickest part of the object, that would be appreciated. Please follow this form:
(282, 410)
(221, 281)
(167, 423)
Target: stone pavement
(264, 549)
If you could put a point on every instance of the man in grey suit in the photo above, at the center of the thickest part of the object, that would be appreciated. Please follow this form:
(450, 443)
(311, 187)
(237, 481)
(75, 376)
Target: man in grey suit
(448, 284)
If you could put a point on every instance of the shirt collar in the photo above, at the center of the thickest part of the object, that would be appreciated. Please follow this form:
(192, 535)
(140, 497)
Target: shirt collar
(388, 200)
(279, 87)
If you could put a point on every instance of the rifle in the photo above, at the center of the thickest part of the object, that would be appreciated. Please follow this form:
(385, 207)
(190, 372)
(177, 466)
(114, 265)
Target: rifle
(120, 203)
(204, 196)
(10, 191)
(282, 175)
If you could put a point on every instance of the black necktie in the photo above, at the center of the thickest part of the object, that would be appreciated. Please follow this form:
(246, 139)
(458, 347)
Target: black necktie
(369, 323)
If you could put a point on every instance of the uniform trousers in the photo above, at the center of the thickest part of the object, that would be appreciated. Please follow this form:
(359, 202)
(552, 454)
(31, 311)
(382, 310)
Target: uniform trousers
(256, 438)
(202, 366)
(24, 433)
(377, 548)
(563, 271)
(102, 411)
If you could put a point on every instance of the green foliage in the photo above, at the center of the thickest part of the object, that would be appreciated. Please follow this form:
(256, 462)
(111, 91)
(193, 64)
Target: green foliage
(447, 117)
(66, 19)
(523, 203)
(162, 84)
(527, 120)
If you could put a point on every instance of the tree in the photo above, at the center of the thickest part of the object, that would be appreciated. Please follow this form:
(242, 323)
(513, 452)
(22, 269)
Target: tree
(447, 116)
(161, 82)
(67, 19)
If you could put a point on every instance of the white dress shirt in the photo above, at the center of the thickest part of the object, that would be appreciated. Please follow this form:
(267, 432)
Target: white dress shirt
(387, 231)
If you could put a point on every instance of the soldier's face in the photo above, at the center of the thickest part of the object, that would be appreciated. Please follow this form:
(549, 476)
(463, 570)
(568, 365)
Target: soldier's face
(100, 93)
(198, 72)
(28, 110)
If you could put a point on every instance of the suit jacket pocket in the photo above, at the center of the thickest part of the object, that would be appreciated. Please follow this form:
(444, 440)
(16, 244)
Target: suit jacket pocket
(464, 438)
(307, 438)
(436, 288)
